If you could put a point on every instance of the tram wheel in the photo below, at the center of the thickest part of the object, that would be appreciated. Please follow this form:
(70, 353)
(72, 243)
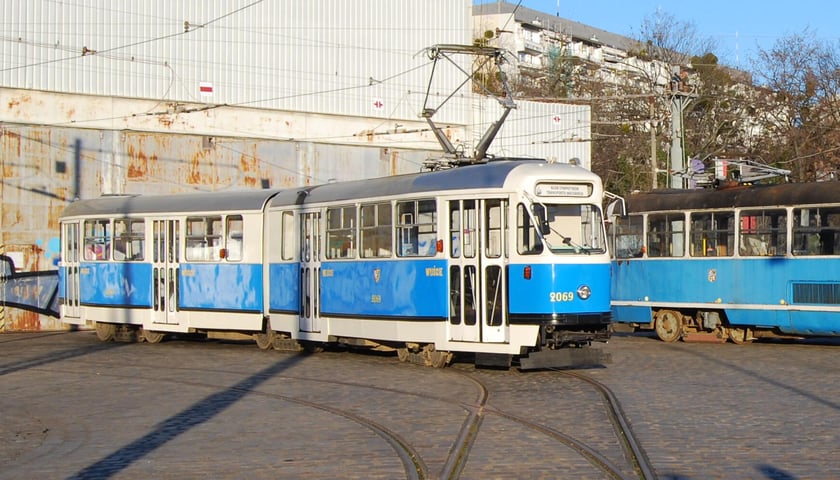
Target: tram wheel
(740, 336)
(265, 340)
(668, 325)
(402, 354)
(152, 336)
(440, 359)
(105, 332)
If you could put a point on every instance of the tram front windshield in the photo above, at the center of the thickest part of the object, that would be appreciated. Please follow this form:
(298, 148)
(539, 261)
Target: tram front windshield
(565, 229)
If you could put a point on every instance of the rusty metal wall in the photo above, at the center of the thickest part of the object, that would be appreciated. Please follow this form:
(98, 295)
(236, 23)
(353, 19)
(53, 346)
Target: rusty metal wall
(166, 97)
(44, 168)
(352, 57)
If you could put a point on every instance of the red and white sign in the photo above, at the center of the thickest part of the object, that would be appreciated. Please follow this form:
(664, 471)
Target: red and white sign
(205, 89)
(378, 104)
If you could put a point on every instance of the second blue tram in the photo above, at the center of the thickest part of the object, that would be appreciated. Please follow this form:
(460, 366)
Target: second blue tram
(504, 259)
(740, 263)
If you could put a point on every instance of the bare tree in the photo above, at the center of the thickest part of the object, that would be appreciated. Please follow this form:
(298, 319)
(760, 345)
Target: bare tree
(663, 37)
(800, 111)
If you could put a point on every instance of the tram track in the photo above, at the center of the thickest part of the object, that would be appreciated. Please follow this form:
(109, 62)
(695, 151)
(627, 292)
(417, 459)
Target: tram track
(632, 447)
(404, 446)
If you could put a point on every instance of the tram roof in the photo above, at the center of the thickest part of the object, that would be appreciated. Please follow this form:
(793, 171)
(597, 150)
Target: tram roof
(812, 193)
(488, 175)
(238, 200)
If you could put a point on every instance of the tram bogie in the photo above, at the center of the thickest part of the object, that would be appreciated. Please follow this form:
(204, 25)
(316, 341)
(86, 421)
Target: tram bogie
(506, 258)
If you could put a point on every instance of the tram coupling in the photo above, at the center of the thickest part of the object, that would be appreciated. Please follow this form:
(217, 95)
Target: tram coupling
(561, 348)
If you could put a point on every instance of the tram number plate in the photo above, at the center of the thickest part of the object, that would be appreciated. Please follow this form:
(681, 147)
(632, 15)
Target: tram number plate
(562, 296)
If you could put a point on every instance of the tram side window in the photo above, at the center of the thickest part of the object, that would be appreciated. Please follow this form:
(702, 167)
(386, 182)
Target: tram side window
(129, 239)
(70, 242)
(591, 231)
(816, 231)
(527, 240)
(455, 228)
(629, 236)
(712, 234)
(204, 238)
(341, 232)
(97, 239)
(417, 228)
(233, 240)
(288, 235)
(666, 235)
(376, 230)
(495, 213)
(762, 232)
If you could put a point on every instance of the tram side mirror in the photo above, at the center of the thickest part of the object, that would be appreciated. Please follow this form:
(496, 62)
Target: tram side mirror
(616, 208)
(539, 213)
(545, 228)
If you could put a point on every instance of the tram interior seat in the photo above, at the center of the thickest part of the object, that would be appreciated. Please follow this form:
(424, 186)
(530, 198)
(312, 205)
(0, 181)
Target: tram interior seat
(753, 245)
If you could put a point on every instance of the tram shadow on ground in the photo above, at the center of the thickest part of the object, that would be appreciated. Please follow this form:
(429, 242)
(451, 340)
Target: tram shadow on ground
(460, 360)
(174, 426)
(53, 356)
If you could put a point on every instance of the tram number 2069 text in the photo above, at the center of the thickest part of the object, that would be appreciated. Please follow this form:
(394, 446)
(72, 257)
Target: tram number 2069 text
(561, 296)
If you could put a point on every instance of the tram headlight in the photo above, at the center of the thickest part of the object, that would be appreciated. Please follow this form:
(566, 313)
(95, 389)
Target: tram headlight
(584, 292)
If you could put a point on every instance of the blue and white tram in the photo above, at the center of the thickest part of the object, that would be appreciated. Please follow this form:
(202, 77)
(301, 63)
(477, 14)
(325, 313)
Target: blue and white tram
(504, 259)
(171, 263)
(738, 263)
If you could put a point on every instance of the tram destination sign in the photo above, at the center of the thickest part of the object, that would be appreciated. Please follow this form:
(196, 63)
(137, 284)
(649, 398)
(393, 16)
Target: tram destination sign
(563, 189)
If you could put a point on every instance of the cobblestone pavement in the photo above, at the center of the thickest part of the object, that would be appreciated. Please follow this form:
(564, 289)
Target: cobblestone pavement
(73, 407)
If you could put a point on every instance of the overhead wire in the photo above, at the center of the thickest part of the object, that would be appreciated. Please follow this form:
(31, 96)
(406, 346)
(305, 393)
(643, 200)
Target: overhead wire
(174, 76)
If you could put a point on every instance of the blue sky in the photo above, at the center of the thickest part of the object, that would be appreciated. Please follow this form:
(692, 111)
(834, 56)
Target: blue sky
(737, 26)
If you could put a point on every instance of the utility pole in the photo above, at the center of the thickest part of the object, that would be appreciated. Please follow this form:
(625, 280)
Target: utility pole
(680, 98)
(653, 163)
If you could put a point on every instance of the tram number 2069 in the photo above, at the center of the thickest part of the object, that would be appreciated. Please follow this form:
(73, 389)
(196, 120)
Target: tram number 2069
(561, 296)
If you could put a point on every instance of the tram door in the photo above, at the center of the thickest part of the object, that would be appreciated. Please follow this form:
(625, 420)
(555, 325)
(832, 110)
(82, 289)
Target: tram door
(310, 270)
(476, 274)
(70, 259)
(165, 267)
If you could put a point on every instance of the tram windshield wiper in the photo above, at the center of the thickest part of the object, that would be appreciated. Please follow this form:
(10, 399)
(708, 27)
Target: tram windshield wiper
(568, 241)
